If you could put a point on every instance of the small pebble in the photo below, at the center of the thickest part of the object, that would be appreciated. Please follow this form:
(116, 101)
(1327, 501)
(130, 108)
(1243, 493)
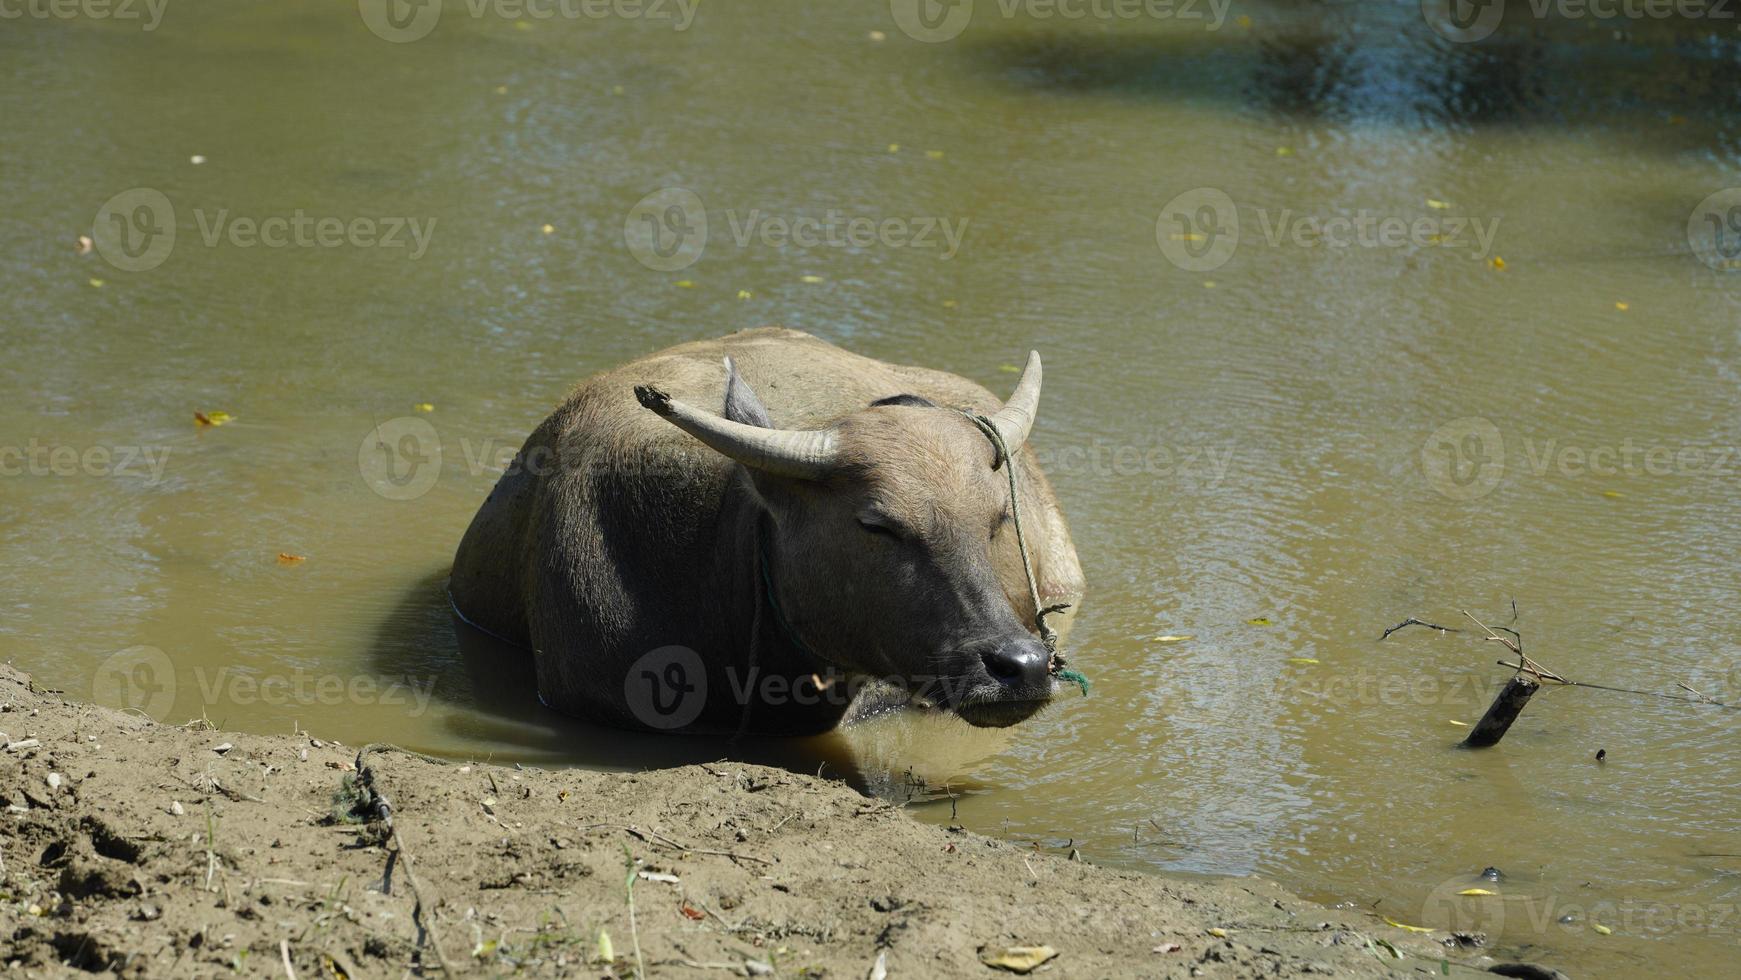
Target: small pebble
(221, 749)
(176, 808)
(302, 755)
(54, 780)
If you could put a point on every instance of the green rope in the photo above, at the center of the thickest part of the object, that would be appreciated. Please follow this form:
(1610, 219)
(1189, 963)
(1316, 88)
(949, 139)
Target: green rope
(1048, 635)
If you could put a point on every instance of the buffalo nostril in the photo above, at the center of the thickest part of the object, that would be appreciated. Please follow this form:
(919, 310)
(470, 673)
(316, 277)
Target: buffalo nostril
(1021, 664)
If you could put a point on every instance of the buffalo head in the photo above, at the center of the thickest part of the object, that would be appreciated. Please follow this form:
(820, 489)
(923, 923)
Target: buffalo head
(889, 542)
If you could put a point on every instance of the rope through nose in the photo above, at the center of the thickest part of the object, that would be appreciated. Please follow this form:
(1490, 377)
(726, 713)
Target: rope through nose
(1048, 635)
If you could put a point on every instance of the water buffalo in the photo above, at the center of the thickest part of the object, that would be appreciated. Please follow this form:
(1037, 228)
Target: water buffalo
(827, 518)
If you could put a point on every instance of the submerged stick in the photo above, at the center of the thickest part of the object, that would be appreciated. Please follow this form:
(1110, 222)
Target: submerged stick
(1504, 710)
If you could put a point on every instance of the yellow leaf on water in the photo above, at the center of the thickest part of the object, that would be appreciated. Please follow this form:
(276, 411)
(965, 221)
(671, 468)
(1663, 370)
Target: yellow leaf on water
(423, 407)
(211, 418)
(616, 90)
(1009, 369)
(97, 283)
(1612, 493)
(1459, 724)
(744, 294)
(1208, 284)
(1302, 660)
(522, 25)
(1244, 21)
(548, 229)
(1170, 637)
(1284, 151)
(501, 90)
(1497, 263)
(1405, 927)
(934, 154)
(1190, 236)
(1016, 959)
(878, 36)
(810, 279)
(950, 304)
(1437, 205)
(1623, 307)
(286, 558)
(1476, 891)
(1602, 929)
(1258, 621)
(894, 147)
(685, 284)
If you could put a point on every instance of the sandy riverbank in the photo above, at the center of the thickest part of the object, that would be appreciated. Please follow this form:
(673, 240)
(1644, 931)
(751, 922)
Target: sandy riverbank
(152, 850)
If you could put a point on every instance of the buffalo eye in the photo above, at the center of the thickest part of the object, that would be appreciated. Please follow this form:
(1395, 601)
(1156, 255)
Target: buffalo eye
(998, 522)
(879, 525)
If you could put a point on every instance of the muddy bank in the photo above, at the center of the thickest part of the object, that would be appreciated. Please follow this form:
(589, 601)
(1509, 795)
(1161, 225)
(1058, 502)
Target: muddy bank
(150, 850)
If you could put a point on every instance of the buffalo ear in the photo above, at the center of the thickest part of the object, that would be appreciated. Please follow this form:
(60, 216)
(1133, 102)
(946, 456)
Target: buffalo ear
(741, 403)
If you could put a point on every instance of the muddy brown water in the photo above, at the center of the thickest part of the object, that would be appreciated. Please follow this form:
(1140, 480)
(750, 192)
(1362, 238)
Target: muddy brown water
(1346, 318)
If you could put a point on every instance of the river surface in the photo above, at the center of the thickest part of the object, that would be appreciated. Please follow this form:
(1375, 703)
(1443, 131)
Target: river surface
(1348, 315)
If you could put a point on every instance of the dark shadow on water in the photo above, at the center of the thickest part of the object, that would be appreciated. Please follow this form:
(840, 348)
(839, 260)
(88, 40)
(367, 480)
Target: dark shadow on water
(1372, 63)
(492, 711)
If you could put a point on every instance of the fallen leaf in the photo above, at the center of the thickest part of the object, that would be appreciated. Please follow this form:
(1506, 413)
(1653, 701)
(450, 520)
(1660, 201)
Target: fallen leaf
(501, 90)
(424, 407)
(1459, 724)
(949, 304)
(1218, 932)
(1017, 959)
(1437, 205)
(810, 279)
(605, 953)
(1258, 621)
(660, 877)
(197, 159)
(286, 558)
(211, 418)
(1208, 284)
(1476, 891)
(1623, 307)
(1302, 660)
(1601, 929)
(878, 36)
(894, 147)
(84, 245)
(1612, 493)
(1175, 638)
(685, 284)
(1497, 263)
(744, 294)
(691, 912)
(1284, 151)
(96, 283)
(934, 154)
(547, 228)
(1406, 928)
